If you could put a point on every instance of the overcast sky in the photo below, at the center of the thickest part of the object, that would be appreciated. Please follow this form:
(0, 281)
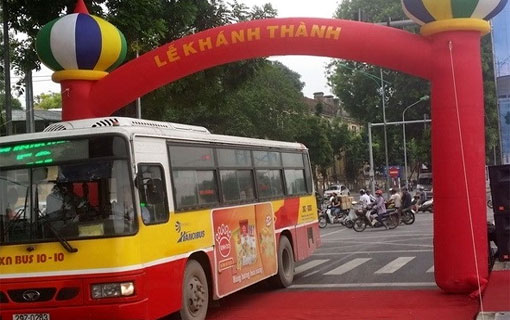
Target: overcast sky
(311, 69)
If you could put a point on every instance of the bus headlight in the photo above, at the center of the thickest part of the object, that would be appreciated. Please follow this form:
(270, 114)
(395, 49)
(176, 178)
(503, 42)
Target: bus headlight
(111, 290)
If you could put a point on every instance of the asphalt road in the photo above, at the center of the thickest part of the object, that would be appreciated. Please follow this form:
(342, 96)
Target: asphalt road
(375, 258)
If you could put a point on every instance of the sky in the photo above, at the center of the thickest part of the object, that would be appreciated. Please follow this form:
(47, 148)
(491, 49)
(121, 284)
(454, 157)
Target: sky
(311, 69)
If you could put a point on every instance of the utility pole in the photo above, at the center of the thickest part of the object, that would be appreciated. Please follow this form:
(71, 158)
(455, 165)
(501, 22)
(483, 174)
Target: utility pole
(138, 100)
(7, 70)
(383, 95)
(29, 102)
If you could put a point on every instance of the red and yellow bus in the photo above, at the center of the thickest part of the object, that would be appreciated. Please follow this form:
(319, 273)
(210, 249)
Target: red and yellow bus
(119, 218)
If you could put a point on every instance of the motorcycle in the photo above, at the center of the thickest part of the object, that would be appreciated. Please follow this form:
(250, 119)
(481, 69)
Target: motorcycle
(366, 216)
(407, 216)
(327, 216)
(426, 206)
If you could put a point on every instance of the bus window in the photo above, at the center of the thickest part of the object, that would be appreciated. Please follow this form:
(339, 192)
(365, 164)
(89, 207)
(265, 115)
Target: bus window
(194, 188)
(269, 183)
(152, 193)
(231, 158)
(237, 185)
(207, 191)
(292, 160)
(295, 181)
(267, 159)
(191, 157)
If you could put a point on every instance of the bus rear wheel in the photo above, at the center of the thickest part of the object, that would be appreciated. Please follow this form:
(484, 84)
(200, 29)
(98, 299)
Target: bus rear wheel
(285, 274)
(195, 292)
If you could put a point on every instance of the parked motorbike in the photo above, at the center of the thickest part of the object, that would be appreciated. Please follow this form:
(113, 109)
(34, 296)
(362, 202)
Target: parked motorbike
(365, 217)
(426, 206)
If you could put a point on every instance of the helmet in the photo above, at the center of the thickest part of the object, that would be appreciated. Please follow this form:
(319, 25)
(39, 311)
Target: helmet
(379, 192)
(362, 191)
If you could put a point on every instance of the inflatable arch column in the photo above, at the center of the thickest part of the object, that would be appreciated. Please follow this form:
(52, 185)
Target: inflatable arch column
(448, 55)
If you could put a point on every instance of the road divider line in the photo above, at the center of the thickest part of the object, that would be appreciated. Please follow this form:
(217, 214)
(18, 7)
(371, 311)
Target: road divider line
(346, 267)
(394, 265)
(328, 234)
(309, 265)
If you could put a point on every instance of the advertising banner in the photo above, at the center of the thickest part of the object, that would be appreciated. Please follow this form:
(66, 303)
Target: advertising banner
(245, 246)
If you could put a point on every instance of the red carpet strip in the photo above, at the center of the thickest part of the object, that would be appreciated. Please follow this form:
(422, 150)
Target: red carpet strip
(329, 305)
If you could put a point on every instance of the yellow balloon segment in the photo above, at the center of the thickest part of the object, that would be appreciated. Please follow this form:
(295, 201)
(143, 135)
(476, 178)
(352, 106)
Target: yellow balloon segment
(458, 24)
(78, 75)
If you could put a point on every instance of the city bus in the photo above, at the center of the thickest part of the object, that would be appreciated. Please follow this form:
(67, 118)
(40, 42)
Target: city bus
(120, 218)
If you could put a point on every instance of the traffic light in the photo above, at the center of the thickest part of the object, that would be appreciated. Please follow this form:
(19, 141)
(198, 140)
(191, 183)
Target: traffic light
(500, 192)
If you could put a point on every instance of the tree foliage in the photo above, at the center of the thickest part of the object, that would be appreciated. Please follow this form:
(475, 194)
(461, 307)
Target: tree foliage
(358, 85)
(48, 101)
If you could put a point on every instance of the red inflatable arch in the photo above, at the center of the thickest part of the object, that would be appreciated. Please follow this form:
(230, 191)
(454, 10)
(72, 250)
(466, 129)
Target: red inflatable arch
(450, 60)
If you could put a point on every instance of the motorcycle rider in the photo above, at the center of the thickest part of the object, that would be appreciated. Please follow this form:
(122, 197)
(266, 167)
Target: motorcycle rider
(370, 196)
(395, 199)
(379, 207)
(422, 194)
(335, 205)
(364, 198)
(406, 199)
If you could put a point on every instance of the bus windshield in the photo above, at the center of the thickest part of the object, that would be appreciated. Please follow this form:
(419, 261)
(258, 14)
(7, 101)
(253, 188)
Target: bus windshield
(65, 190)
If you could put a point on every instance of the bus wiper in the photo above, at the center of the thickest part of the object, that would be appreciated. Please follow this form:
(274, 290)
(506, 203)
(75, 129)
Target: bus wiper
(60, 239)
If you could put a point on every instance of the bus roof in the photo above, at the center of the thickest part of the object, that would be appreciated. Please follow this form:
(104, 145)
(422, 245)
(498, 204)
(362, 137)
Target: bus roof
(140, 127)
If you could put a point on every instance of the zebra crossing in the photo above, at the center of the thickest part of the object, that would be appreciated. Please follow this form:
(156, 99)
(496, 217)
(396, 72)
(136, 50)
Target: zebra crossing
(370, 268)
(391, 267)
(402, 257)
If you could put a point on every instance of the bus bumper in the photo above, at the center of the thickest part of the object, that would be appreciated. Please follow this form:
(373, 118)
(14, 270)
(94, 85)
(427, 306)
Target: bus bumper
(126, 311)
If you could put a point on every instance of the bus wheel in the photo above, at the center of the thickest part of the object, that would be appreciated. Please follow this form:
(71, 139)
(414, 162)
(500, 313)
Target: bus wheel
(285, 274)
(195, 292)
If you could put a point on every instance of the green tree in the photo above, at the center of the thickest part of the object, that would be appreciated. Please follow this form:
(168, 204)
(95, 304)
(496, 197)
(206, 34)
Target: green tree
(47, 101)
(358, 86)
(315, 136)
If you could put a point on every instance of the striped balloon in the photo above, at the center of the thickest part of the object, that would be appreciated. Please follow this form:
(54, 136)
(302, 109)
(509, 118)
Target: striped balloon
(426, 11)
(81, 42)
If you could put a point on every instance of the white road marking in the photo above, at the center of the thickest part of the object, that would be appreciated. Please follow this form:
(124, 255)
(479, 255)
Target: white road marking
(395, 265)
(309, 265)
(327, 254)
(431, 269)
(346, 267)
(363, 285)
(330, 233)
(310, 274)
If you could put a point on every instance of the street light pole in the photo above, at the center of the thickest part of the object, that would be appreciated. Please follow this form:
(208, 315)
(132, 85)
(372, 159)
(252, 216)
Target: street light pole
(424, 98)
(371, 159)
(383, 96)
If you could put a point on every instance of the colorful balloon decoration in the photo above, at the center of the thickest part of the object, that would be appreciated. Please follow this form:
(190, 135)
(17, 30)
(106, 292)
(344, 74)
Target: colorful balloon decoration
(443, 15)
(80, 46)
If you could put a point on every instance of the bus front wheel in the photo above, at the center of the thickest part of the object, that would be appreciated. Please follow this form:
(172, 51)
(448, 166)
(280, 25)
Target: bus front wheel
(195, 292)
(285, 274)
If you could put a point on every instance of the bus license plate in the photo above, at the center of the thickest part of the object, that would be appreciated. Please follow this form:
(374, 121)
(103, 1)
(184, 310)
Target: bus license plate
(31, 316)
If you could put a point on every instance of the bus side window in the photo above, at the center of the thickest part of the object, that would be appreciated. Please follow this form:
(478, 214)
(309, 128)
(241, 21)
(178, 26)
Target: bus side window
(152, 191)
